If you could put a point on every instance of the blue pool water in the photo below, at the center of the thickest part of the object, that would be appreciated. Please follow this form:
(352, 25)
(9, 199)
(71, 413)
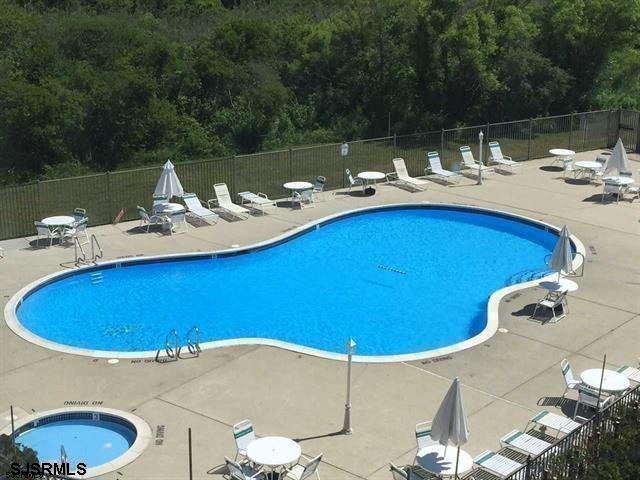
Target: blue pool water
(396, 280)
(92, 442)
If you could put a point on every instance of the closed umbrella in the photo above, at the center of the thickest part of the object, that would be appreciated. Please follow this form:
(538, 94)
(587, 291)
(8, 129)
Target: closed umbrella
(168, 183)
(618, 161)
(450, 425)
(562, 257)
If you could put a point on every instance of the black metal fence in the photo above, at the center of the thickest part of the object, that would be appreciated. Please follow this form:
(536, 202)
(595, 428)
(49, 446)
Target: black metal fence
(105, 195)
(577, 455)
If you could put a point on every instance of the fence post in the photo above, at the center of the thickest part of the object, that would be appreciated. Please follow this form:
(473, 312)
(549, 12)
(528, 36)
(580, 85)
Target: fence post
(234, 159)
(485, 151)
(395, 146)
(529, 142)
(109, 202)
(290, 156)
(570, 128)
(637, 127)
(442, 142)
(618, 126)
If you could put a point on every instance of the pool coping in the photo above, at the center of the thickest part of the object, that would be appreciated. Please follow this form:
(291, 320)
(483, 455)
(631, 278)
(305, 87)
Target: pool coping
(142, 441)
(11, 318)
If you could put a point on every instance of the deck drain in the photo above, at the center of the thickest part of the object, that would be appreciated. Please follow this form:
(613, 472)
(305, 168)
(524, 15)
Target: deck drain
(235, 245)
(391, 269)
(503, 330)
(113, 361)
(593, 250)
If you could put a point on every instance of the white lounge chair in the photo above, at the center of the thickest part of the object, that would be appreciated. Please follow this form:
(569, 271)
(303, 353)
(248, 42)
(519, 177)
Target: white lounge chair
(401, 176)
(196, 207)
(525, 443)
(303, 472)
(501, 160)
(553, 301)
(46, 232)
(353, 181)
(589, 398)
(256, 202)
(146, 219)
(630, 372)
(553, 421)
(469, 162)
(243, 434)
(224, 202)
(569, 380)
(497, 464)
(435, 166)
(304, 198)
(243, 472)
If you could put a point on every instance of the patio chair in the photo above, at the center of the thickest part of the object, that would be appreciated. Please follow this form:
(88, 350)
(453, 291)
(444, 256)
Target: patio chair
(469, 162)
(224, 202)
(318, 186)
(497, 464)
(256, 202)
(633, 189)
(46, 232)
(304, 198)
(569, 380)
(353, 181)
(159, 200)
(79, 214)
(243, 434)
(524, 443)
(402, 473)
(589, 398)
(146, 219)
(630, 372)
(178, 222)
(243, 472)
(423, 438)
(401, 176)
(77, 230)
(196, 208)
(435, 166)
(501, 160)
(552, 301)
(610, 188)
(549, 420)
(569, 168)
(302, 472)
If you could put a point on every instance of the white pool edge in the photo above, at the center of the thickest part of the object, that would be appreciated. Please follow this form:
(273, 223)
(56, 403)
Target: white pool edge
(142, 441)
(11, 318)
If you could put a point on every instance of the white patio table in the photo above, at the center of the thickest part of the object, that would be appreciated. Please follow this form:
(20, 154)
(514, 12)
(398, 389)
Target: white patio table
(560, 154)
(273, 452)
(370, 177)
(297, 187)
(441, 460)
(169, 208)
(61, 222)
(563, 285)
(591, 167)
(613, 382)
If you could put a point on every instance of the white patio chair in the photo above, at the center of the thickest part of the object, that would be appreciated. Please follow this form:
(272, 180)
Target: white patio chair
(243, 434)
(552, 301)
(257, 202)
(633, 189)
(46, 232)
(525, 443)
(319, 185)
(178, 222)
(353, 181)
(497, 464)
(302, 472)
(610, 188)
(589, 398)
(243, 472)
(569, 380)
(79, 214)
(159, 200)
(401, 176)
(568, 168)
(78, 230)
(630, 372)
(435, 166)
(470, 163)
(304, 198)
(501, 160)
(196, 208)
(400, 473)
(224, 202)
(423, 438)
(146, 219)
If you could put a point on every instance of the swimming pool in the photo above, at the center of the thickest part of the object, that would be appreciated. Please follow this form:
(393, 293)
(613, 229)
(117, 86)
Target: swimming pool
(401, 280)
(101, 439)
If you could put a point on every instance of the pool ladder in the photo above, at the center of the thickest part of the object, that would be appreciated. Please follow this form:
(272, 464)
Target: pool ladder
(81, 255)
(173, 349)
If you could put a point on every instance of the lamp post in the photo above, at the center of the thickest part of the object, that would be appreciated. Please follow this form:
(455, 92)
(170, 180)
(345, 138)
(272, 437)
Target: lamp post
(480, 137)
(346, 428)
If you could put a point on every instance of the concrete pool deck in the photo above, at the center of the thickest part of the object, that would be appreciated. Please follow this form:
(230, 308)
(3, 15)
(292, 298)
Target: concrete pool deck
(506, 379)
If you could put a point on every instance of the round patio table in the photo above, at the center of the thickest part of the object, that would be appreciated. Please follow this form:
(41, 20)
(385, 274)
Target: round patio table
(618, 180)
(611, 381)
(441, 460)
(169, 208)
(563, 285)
(59, 221)
(273, 452)
(561, 154)
(370, 177)
(298, 186)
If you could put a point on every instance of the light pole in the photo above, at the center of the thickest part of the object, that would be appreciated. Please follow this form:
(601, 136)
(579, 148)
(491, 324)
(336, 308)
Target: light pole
(480, 137)
(346, 427)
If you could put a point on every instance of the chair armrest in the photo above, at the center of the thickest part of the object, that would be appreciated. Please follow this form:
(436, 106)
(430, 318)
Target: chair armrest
(506, 157)
(212, 202)
(263, 195)
(391, 175)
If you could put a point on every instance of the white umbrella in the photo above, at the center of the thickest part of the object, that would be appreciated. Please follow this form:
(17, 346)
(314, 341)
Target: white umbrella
(562, 257)
(450, 425)
(168, 183)
(618, 161)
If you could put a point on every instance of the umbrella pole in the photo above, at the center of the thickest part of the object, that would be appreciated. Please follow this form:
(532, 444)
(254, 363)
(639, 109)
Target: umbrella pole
(455, 476)
(604, 362)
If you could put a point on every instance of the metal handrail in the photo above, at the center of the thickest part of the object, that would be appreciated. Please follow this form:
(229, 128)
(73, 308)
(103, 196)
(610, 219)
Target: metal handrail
(193, 346)
(78, 246)
(95, 243)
